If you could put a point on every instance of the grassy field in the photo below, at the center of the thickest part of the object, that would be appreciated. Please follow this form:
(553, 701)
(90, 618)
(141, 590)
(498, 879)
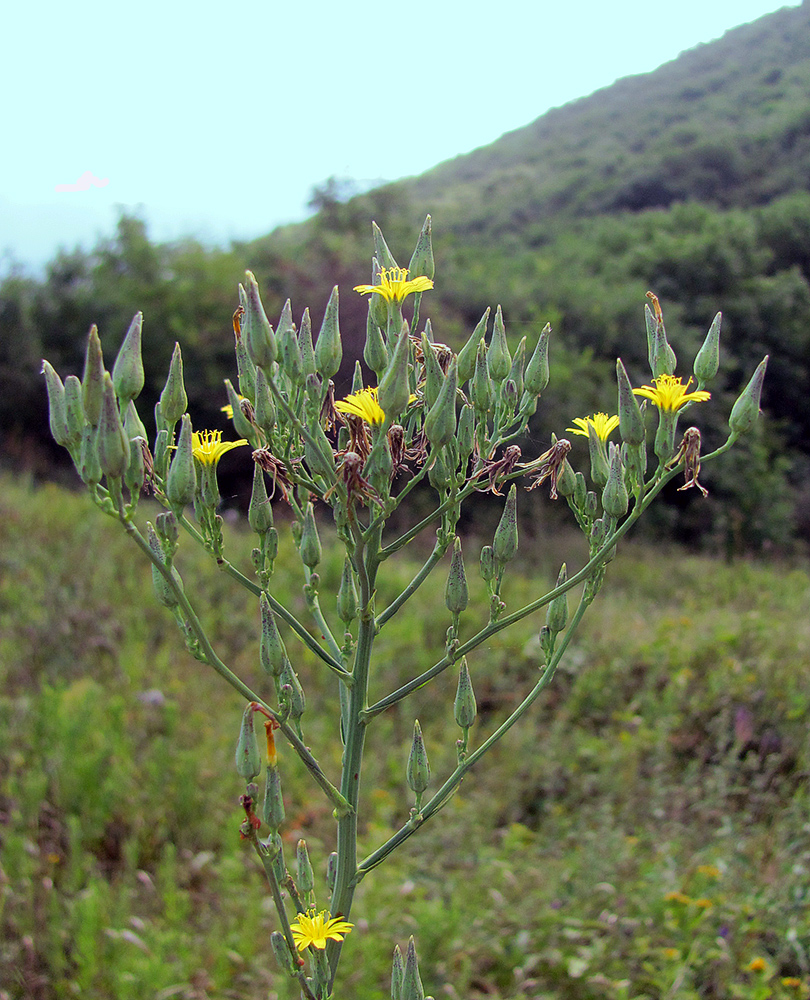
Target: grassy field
(644, 835)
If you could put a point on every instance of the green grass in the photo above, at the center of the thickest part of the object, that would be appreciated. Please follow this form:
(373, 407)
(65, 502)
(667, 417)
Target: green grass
(644, 834)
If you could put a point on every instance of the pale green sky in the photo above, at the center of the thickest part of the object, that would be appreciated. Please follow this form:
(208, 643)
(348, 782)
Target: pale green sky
(219, 119)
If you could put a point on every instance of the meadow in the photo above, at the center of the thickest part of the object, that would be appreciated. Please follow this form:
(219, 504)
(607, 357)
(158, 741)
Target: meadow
(644, 834)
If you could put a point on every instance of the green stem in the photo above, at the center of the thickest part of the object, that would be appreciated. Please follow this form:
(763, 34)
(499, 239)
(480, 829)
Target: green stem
(314, 606)
(380, 519)
(293, 418)
(413, 586)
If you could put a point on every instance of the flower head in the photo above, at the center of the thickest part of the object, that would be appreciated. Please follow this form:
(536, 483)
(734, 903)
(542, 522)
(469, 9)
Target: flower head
(208, 447)
(315, 929)
(363, 404)
(394, 285)
(602, 424)
(671, 394)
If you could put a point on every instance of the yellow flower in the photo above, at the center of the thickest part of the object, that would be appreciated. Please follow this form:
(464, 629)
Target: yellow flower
(362, 404)
(208, 447)
(757, 964)
(710, 871)
(677, 897)
(671, 394)
(316, 929)
(394, 285)
(227, 409)
(602, 424)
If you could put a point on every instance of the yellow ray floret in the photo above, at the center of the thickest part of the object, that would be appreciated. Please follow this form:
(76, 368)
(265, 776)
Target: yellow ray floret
(671, 394)
(363, 404)
(316, 929)
(602, 424)
(208, 447)
(394, 285)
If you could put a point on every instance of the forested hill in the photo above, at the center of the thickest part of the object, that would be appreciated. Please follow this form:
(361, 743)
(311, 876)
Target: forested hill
(726, 123)
(692, 181)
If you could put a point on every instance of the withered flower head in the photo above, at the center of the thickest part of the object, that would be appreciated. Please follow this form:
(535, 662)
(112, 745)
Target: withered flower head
(496, 470)
(548, 466)
(689, 452)
(264, 458)
(350, 471)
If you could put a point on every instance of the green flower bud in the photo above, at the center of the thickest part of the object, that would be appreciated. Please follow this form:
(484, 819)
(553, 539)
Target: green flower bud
(464, 707)
(377, 306)
(248, 758)
(481, 390)
(664, 445)
(434, 376)
(306, 876)
(660, 355)
(505, 542)
(135, 473)
(276, 846)
(418, 770)
(74, 409)
(347, 599)
(566, 480)
(499, 360)
(440, 476)
(282, 952)
(260, 511)
(707, 360)
(290, 360)
(394, 389)
(112, 443)
(318, 452)
(331, 870)
(467, 354)
(466, 433)
(127, 373)
(309, 547)
(265, 411)
(509, 395)
(308, 365)
(379, 467)
(614, 496)
(599, 463)
(440, 423)
(56, 404)
(243, 427)
(260, 341)
(745, 412)
(181, 482)
(163, 592)
(161, 458)
(294, 693)
(422, 263)
(93, 378)
(631, 422)
(456, 595)
(245, 369)
(272, 654)
(273, 805)
(133, 425)
(375, 353)
(381, 251)
(168, 531)
(557, 612)
(536, 376)
(173, 399)
(516, 371)
(580, 491)
(397, 975)
(411, 983)
(487, 564)
(329, 348)
(357, 377)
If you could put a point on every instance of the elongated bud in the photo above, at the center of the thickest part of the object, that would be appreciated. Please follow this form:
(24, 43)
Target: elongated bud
(536, 376)
(397, 975)
(329, 348)
(295, 693)
(557, 612)
(273, 805)
(135, 473)
(163, 592)
(318, 452)
(74, 409)
(377, 306)
(306, 876)
(248, 758)
(456, 595)
(418, 770)
(290, 360)
(411, 983)
(515, 375)
(499, 360)
(347, 594)
(381, 251)
(467, 354)
(181, 482)
(440, 423)
(434, 376)
(260, 341)
(440, 476)
(660, 355)
(375, 353)
(487, 564)
(245, 368)
(505, 542)
(745, 412)
(265, 410)
(707, 360)
(466, 433)
(614, 496)
(168, 531)
(241, 424)
(93, 378)
(173, 399)
(112, 443)
(127, 373)
(133, 425)
(282, 952)
(631, 422)
(310, 545)
(272, 654)
(567, 480)
(394, 389)
(464, 707)
(331, 870)
(308, 366)
(57, 414)
(599, 463)
(481, 390)
(260, 511)
(422, 263)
